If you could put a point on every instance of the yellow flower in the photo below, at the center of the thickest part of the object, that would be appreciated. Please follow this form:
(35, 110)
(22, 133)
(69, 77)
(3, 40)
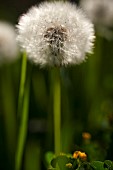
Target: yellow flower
(86, 135)
(69, 165)
(78, 154)
(82, 155)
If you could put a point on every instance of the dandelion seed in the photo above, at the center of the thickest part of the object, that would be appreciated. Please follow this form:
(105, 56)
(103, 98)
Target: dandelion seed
(8, 45)
(55, 34)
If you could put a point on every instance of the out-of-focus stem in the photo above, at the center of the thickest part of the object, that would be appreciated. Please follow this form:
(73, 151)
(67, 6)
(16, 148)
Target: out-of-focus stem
(9, 116)
(23, 119)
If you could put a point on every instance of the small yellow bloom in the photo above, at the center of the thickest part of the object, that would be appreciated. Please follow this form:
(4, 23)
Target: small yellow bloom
(82, 155)
(62, 154)
(69, 165)
(86, 135)
(78, 154)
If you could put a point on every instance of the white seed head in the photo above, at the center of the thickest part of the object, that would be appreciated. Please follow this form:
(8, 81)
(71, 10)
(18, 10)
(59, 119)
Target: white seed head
(55, 34)
(8, 44)
(99, 11)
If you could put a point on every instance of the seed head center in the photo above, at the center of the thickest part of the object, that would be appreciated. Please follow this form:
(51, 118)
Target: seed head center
(56, 36)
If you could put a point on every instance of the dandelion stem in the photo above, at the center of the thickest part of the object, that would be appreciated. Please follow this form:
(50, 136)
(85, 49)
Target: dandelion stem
(57, 110)
(23, 123)
(22, 84)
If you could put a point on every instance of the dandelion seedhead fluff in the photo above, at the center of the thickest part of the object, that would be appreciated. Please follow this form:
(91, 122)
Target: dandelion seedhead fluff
(8, 44)
(99, 11)
(55, 34)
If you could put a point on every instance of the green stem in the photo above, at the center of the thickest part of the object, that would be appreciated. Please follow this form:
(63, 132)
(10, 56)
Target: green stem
(23, 125)
(57, 110)
(22, 84)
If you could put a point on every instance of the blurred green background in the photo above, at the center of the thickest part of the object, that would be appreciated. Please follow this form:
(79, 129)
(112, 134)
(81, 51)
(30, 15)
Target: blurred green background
(87, 104)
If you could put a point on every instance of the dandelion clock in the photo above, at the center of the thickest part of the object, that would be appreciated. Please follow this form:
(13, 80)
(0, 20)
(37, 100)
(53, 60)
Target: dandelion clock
(55, 34)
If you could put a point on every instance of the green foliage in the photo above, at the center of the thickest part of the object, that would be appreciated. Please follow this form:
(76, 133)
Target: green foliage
(67, 162)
